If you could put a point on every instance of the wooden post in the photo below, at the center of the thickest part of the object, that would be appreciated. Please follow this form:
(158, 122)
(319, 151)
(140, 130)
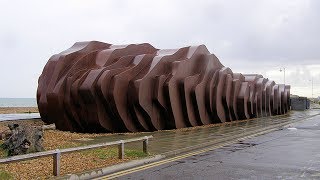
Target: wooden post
(121, 149)
(145, 145)
(56, 162)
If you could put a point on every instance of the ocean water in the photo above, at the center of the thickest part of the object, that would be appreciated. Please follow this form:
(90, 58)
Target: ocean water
(9, 117)
(18, 102)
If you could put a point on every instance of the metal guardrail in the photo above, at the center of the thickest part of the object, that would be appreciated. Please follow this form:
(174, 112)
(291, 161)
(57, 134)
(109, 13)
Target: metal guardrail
(57, 153)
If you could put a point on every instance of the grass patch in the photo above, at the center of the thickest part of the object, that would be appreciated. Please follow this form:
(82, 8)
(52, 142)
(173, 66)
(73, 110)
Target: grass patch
(5, 175)
(101, 153)
(3, 153)
(134, 153)
(105, 153)
(69, 145)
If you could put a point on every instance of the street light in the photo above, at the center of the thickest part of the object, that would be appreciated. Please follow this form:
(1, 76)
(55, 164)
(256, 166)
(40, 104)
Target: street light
(284, 74)
(312, 87)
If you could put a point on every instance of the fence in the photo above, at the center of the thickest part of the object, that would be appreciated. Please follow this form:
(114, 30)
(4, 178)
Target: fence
(57, 153)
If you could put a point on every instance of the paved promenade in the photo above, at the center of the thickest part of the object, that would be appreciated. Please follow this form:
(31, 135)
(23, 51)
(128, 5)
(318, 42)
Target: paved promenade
(211, 144)
(173, 142)
(289, 153)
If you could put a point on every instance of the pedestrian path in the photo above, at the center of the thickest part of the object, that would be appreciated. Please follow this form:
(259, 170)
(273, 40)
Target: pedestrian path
(289, 153)
(170, 142)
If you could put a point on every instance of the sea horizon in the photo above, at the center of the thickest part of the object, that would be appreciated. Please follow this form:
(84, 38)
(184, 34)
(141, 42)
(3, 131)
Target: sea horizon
(18, 102)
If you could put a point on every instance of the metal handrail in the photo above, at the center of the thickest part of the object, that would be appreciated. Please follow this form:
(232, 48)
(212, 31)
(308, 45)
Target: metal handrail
(57, 153)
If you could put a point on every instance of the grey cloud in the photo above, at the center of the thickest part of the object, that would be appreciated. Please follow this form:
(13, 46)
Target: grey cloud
(243, 34)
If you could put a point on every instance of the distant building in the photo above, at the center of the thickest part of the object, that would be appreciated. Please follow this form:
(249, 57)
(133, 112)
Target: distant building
(299, 103)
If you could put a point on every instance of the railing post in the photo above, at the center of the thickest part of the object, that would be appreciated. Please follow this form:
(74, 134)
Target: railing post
(56, 162)
(121, 149)
(145, 145)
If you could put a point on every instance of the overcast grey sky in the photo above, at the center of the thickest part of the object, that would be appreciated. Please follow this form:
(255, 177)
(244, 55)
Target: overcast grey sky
(249, 36)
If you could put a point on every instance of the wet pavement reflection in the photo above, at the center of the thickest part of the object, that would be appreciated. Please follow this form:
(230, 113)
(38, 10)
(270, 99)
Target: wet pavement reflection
(164, 142)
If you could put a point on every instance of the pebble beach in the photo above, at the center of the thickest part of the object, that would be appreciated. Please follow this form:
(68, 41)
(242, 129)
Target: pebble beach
(54, 139)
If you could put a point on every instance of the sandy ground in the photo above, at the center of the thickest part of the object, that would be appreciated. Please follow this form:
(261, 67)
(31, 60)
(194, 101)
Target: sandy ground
(13, 110)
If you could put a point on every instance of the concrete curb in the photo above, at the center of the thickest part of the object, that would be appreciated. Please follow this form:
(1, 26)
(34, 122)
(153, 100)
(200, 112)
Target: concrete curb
(111, 169)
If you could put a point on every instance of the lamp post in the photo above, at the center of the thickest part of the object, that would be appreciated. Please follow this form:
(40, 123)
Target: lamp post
(312, 87)
(284, 74)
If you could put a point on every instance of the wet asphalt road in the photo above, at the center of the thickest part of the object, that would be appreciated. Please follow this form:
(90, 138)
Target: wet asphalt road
(291, 153)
